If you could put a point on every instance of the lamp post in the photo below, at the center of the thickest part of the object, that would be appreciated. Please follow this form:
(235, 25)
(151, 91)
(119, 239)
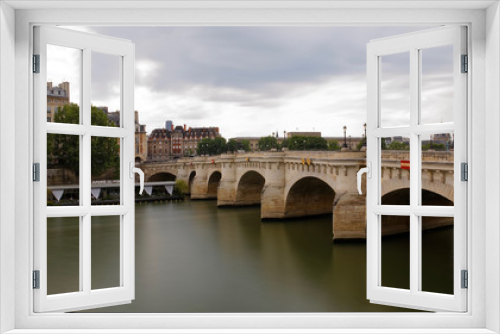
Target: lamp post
(345, 138)
(364, 126)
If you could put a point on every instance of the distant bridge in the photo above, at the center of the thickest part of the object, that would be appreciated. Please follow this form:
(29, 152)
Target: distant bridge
(304, 183)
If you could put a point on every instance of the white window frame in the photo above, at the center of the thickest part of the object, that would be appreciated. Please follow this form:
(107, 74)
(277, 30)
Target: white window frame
(123, 50)
(483, 314)
(413, 44)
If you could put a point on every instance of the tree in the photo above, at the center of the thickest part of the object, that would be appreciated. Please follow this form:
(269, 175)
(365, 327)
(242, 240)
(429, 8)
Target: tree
(209, 146)
(436, 147)
(383, 144)
(267, 143)
(307, 143)
(63, 151)
(398, 146)
(233, 145)
(360, 144)
(334, 146)
(181, 187)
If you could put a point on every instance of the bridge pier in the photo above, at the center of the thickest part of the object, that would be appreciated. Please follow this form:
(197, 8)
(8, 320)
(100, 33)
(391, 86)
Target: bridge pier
(349, 216)
(273, 193)
(226, 194)
(199, 189)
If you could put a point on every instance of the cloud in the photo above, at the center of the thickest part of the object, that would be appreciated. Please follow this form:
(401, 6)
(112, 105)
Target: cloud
(257, 80)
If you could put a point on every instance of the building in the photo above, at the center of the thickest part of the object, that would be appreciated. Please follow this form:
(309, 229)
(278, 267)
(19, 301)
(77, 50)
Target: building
(303, 134)
(177, 141)
(57, 97)
(141, 140)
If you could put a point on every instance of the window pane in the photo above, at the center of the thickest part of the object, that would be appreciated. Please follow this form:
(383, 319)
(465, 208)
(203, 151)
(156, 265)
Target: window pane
(105, 252)
(106, 89)
(63, 167)
(63, 255)
(395, 249)
(395, 171)
(105, 167)
(64, 68)
(437, 85)
(437, 169)
(395, 90)
(437, 254)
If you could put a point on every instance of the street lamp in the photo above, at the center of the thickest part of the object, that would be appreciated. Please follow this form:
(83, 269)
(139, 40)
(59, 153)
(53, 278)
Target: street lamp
(345, 138)
(364, 144)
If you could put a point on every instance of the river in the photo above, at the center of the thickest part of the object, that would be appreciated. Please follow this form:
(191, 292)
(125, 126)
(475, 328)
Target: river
(194, 257)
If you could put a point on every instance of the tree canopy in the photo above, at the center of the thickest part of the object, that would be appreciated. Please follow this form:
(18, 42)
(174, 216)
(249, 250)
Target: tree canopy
(307, 143)
(209, 146)
(268, 143)
(63, 151)
(234, 145)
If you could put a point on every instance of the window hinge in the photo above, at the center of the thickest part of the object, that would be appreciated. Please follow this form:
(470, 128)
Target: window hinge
(465, 64)
(464, 171)
(36, 63)
(36, 172)
(465, 279)
(36, 279)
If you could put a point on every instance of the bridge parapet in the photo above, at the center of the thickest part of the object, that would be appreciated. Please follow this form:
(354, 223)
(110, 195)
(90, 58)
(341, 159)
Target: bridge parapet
(267, 178)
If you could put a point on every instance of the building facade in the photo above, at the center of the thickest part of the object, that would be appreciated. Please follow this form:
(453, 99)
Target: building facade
(57, 97)
(177, 141)
(141, 141)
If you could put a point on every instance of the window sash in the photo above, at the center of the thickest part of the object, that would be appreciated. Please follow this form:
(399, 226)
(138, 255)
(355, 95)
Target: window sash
(86, 297)
(414, 298)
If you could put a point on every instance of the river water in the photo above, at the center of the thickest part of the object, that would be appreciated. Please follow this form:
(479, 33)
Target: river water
(194, 257)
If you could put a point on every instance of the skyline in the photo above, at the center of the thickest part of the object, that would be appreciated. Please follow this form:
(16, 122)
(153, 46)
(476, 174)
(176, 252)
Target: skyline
(252, 81)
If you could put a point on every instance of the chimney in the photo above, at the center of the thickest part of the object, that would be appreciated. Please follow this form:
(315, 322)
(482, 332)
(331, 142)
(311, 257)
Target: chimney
(136, 116)
(185, 128)
(172, 128)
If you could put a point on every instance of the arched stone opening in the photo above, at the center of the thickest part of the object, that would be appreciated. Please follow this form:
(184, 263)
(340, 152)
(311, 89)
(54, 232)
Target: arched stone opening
(213, 184)
(308, 197)
(402, 197)
(400, 224)
(191, 180)
(162, 177)
(249, 189)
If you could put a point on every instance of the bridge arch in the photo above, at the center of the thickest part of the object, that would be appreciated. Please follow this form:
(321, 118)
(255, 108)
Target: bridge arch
(401, 196)
(213, 184)
(162, 176)
(192, 175)
(309, 196)
(399, 224)
(249, 188)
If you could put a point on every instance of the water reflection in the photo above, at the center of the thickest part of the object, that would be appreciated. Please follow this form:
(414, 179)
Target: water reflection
(193, 257)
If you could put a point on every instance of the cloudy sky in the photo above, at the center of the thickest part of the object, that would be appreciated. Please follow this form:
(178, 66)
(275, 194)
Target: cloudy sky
(252, 81)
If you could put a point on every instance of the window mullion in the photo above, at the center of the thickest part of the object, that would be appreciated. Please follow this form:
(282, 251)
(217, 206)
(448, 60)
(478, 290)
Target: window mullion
(414, 170)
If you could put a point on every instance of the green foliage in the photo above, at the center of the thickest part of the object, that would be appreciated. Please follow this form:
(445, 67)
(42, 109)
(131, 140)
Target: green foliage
(383, 144)
(360, 144)
(308, 143)
(436, 147)
(268, 143)
(233, 145)
(398, 146)
(212, 146)
(334, 146)
(181, 187)
(63, 150)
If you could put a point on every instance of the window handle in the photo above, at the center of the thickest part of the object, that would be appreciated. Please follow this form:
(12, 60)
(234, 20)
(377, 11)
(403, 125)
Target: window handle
(133, 170)
(368, 171)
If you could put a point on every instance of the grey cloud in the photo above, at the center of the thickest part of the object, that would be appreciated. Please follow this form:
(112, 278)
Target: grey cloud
(249, 58)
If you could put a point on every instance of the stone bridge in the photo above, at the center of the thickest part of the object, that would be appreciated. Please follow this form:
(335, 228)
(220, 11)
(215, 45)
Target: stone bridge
(305, 183)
